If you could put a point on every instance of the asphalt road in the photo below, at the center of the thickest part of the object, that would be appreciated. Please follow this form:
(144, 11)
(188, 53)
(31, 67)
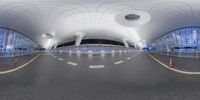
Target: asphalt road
(183, 63)
(7, 63)
(69, 77)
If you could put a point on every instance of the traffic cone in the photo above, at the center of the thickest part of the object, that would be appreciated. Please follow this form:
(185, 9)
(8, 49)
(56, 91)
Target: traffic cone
(15, 62)
(170, 63)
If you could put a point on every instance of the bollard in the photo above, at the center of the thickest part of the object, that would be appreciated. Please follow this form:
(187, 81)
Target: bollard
(170, 63)
(15, 62)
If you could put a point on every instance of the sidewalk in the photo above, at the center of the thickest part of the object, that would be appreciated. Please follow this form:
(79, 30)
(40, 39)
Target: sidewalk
(8, 63)
(185, 64)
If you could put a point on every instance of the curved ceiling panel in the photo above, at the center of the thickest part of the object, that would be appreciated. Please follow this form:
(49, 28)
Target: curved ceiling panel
(96, 18)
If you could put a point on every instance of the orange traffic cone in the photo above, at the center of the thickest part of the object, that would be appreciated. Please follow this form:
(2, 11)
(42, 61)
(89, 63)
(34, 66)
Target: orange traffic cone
(170, 63)
(15, 62)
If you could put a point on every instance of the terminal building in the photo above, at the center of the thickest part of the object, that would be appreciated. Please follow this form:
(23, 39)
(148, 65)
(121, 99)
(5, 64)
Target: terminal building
(99, 49)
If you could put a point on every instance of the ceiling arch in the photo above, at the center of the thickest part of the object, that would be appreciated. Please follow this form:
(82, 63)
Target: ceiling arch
(96, 18)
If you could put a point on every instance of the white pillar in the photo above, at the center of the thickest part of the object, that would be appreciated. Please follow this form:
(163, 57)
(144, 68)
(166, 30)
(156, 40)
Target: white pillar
(125, 43)
(79, 37)
(55, 46)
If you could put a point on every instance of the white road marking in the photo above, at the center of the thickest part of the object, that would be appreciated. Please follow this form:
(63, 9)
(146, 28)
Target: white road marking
(135, 55)
(72, 63)
(60, 59)
(22, 66)
(55, 57)
(96, 66)
(118, 62)
(128, 58)
(175, 70)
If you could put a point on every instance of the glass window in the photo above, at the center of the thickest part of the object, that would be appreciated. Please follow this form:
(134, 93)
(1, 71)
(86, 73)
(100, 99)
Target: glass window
(186, 40)
(14, 41)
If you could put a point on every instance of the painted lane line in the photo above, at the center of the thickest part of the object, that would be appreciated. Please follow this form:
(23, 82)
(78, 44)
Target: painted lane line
(128, 58)
(175, 70)
(55, 56)
(96, 66)
(135, 55)
(20, 67)
(60, 59)
(118, 62)
(72, 63)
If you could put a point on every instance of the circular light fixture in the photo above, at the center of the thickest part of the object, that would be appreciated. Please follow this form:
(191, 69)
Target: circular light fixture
(132, 17)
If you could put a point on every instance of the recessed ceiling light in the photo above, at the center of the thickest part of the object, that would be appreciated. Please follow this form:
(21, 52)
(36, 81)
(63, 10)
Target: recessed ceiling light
(132, 17)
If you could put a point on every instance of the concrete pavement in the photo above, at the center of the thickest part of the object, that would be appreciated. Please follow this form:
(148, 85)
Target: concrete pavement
(138, 78)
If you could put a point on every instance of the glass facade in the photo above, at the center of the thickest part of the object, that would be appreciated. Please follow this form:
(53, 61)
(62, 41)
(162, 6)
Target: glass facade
(13, 43)
(93, 49)
(181, 42)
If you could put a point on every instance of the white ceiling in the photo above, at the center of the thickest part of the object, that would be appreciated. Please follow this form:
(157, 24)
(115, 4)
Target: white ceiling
(96, 18)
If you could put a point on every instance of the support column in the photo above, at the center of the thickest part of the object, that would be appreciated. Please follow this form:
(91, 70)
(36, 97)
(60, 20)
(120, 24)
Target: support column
(79, 37)
(125, 43)
(55, 46)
